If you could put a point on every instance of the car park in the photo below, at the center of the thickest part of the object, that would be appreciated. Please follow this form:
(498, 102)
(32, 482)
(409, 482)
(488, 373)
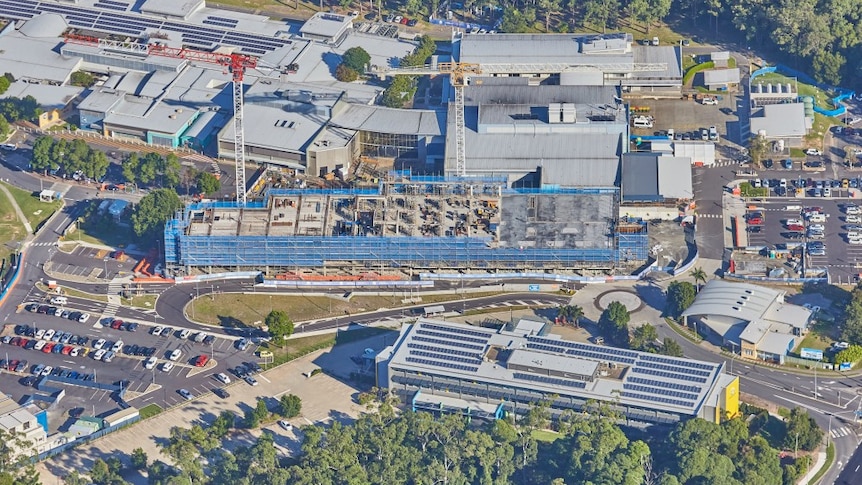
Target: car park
(46, 371)
(223, 378)
(157, 331)
(150, 363)
(76, 351)
(167, 366)
(49, 334)
(853, 219)
(109, 356)
(98, 344)
(40, 345)
(57, 348)
(251, 381)
(37, 370)
(131, 327)
(99, 354)
(184, 333)
(186, 394)
(787, 164)
(221, 393)
(118, 346)
(200, 336)
(209, 340)
(201, 360)
(175, 354)
(242, 343)
(48, 348)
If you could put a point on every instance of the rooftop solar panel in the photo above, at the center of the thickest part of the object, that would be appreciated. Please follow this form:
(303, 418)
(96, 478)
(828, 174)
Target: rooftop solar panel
(447, 358)
(112, 2)
(458, 330)
(669, 385)
(462, 345)
(669, 375)
(218, 24)
(674, 368)
(112, 7)
(223, 19)
(444, 350)
(663, 392)
(664, 400)
(445, 365)
(550, 380)
(254, 51)
(422, 331)
(684, 363)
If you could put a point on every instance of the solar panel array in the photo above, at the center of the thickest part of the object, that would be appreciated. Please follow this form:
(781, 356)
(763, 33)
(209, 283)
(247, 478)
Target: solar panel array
(550, 380)
(663, 400)
(662, 392)
(444, 350)
(114, 22)
(459, 331)
(417, 338)
(674, 368)
(684, 363)
(669, 375)
(669, 385)
(449, 358)
(589, 351)
(445, 365)
(422, 331)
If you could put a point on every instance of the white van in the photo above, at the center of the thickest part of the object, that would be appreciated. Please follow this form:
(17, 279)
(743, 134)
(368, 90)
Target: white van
(642, 123)
(818, 218)
(793, 208)
(59, 300)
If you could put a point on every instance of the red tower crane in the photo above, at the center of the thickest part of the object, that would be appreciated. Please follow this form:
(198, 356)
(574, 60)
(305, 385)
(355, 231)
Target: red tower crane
(235, 63)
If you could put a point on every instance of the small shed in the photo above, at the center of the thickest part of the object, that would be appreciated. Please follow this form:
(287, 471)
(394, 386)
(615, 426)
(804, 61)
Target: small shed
(49, 195)
(721, 79)
(117, 208)
(720, 59)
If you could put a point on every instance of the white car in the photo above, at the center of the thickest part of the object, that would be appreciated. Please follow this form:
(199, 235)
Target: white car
(221, 376)
(817, 227)
(709, 101)
(853, 210)
(117, 346)
(150, 363)
(40, 345)
(284, 424)
(184, 333)
(813, 152)
(98, 344)
(175, 354)
(794, 222)
(49, 334)
(47, 371)
(855, 241)
(250, 380)
(75, 352)
(852, 219)
(397, 19)
(84, 317)
(167, 366)
(158, 330)
(99, 354)
(40, 333)
(783, 183)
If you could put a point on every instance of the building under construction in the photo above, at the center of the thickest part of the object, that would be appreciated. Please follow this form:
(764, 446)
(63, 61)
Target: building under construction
(410, 223)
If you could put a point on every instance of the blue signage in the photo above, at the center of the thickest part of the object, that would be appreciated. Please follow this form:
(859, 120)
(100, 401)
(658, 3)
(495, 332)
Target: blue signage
(533, 287)
(813, 354)
(845, 366)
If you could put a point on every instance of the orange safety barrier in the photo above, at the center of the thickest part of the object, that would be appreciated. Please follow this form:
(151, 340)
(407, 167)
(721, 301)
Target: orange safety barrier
(152, 279)
(138, 266)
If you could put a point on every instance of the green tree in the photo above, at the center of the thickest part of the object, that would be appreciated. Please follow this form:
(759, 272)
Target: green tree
(356, 58)
(4, 85)
(131, 165)
(758, 147)
(399, 91)
(207, 183)
(852, 331)
(139, 459)
(82, 79)
(603, 13)
(514, 22)
(279, 324)
(851, 354)
(107, 472)
(802, 430)
(16, 460)
(680, 296)
(699, 276)
(827, 65)
(149, 167)
(153, 210)
(548, 8)
(170, 170)
(671, 347)
(290, 405)
(222, 424)
(96, 164)
(644, 338)
(4, 125)
(345, 74)
(42, 159)
(254, 416)
(75, 478)
(614, 323)
(570, 314)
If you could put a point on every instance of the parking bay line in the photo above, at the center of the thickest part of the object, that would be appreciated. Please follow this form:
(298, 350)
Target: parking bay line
(264, 378)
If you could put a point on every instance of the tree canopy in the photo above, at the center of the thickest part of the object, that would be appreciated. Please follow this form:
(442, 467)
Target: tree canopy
(69, 156)
(280, 325)
(614, 323)
(152, 169)
(680, 296)
(207, 183)
(356, 58)
(151, 213)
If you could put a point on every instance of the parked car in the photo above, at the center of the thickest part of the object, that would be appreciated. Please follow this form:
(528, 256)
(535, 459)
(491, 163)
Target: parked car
(813, 152)
(221, 376)
(285, 425)
(150, 363)
(186, 394)
(221, 393)
(201, 360)
(251, 381)
(99, 354)
(175, 354)
(167, 366)
(157, 331)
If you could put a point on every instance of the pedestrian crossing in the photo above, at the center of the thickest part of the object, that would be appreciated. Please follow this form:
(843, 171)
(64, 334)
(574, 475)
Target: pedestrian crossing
(44, 244)
(709, 216)
(723, 163)
(841, 432)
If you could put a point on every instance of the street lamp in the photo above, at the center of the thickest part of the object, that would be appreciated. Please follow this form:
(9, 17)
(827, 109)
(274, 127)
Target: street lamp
(192, 304)
(105, 260)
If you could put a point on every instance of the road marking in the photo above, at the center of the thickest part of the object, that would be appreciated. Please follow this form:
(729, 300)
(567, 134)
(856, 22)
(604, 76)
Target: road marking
(264, 378)
(278, 396)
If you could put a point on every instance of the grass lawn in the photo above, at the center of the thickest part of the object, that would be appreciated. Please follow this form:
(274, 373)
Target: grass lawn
(545, 435)
(142, 301)
(691, 72)
(239, 310)
(821, 336)
(102, 230)
(297, 347)
(11, 230)
(830, 457)
(36, 211)
(149, 411)
(820, 126)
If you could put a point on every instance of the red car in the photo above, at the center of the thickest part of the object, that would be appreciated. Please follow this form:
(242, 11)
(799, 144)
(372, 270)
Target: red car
(116, 324)
(755, 221)
(48, 348)
(23, 342)
(201, 360)
(404, 21)
(796, 227)
(67, 350)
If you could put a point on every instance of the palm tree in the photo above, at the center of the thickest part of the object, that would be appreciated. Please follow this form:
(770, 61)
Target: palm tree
(699, 275)
(570, 314)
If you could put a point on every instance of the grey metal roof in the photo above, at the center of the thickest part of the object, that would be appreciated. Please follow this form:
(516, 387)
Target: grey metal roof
(492, 93)
(326, 24)
(697, 151)
(780, 120)
(174, 8)
(669, 55)
(34, 58)
(390, 120)
(100, 100)
(640, 177)
(643, 383)
(674, 177)
(45, 25)
(276, 128)
(150, 115)
(735, 300)
(552, 362)
(535, 49)
(48, 96)
(721, 76)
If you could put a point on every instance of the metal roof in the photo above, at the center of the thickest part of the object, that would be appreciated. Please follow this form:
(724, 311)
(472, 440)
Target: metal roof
(537, 48)
(491, 92)
(390, 120)
(150, 115)
(647, 381)
(735, 300)
(34, 58)
(48, 96)
(721, 76)
(674, 177)
(45, 25)
(666, 54)
(326, 24)
(276, 128)
(640, 177)
(780, 120)
(174, 8)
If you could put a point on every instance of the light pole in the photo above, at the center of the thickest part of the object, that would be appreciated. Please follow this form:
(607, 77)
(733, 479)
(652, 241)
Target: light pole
(105, 261)
(192, 304)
